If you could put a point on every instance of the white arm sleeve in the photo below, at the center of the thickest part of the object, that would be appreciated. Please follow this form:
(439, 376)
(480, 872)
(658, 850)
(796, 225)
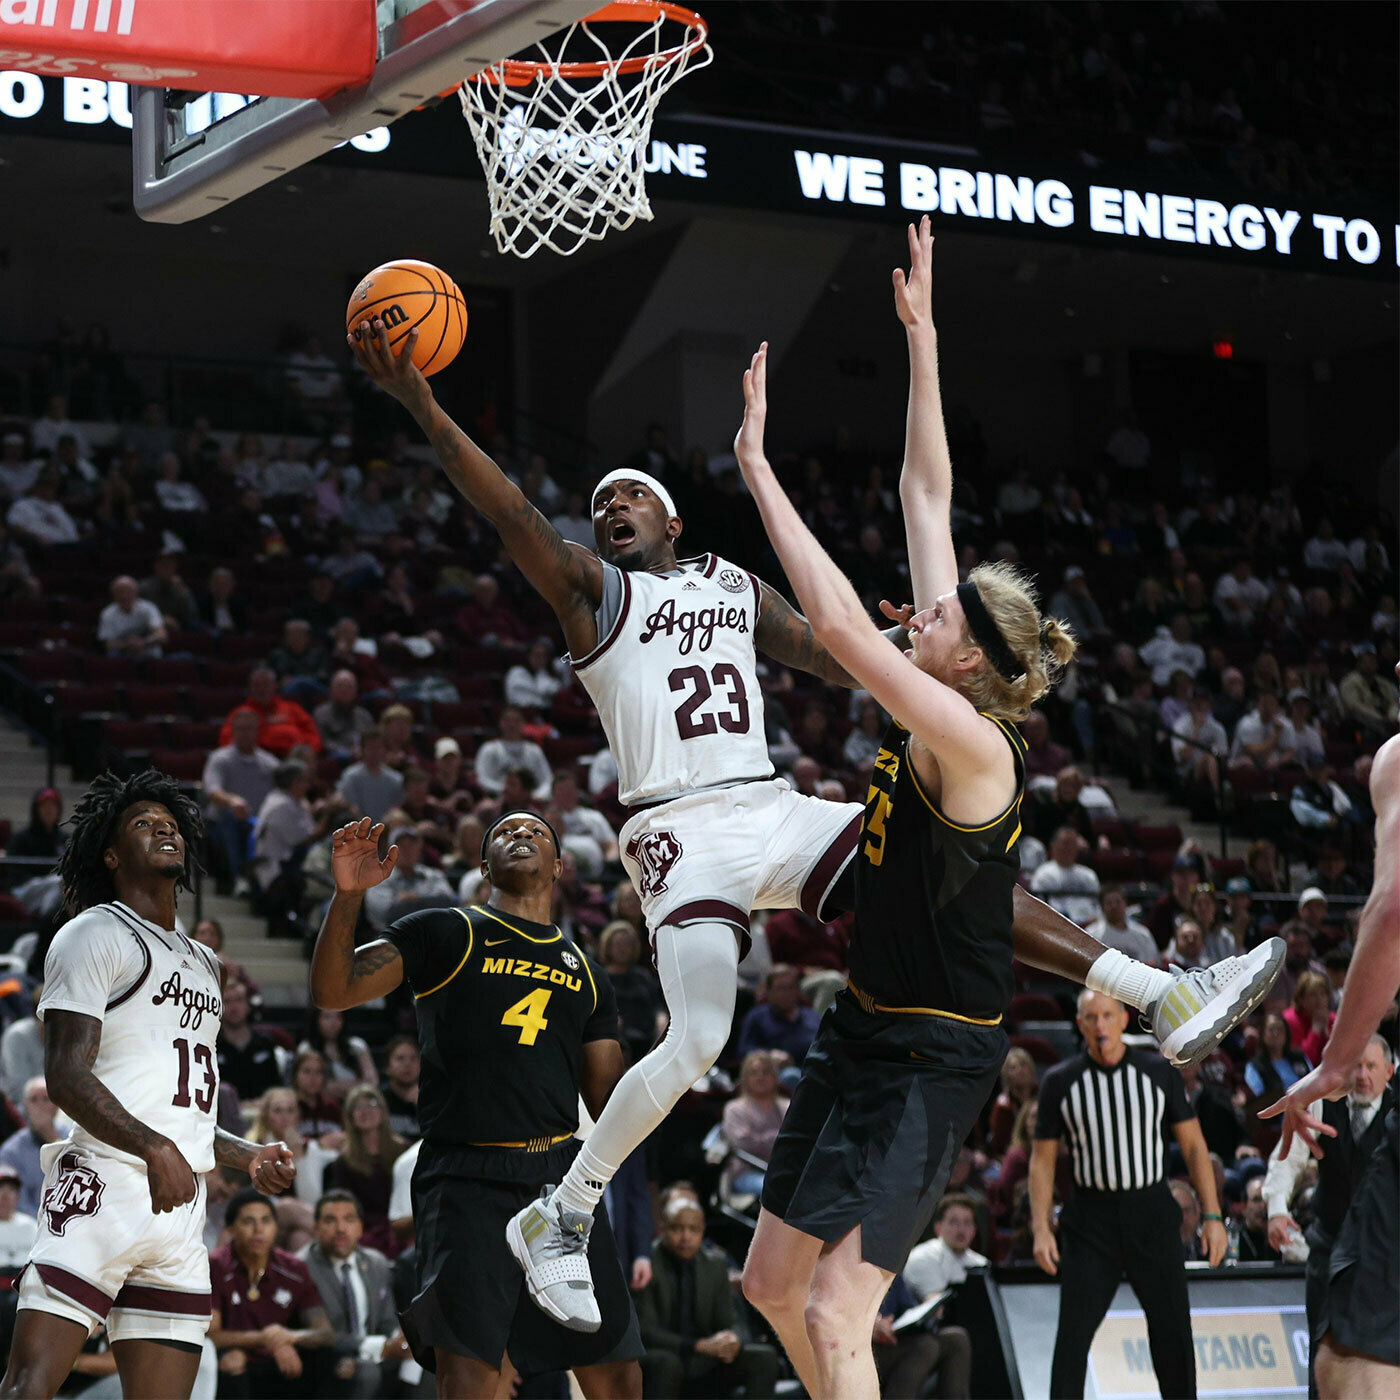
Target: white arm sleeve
(1281, 1179)
(92, 960)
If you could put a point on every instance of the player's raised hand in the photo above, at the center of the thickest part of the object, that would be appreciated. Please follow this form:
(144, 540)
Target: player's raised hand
(168, 1175)
(355, 859)
(1324, 1082)
(394, 371)
(903, 615)
(274, 1169)
(748, 445)
(913, 293)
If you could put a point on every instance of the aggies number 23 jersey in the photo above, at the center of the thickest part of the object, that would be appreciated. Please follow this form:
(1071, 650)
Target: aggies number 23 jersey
(505, 1008)
(158, 997)
(675, 679)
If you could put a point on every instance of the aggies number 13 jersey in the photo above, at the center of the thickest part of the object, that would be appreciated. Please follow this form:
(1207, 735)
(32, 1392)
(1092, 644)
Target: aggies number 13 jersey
(159, 999)
(933, 899)
(505, 1008)
(675, 678)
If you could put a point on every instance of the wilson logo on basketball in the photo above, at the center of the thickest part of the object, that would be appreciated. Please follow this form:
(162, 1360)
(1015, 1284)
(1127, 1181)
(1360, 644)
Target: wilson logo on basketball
(655, 853)
(76, 1190)
(393, 315)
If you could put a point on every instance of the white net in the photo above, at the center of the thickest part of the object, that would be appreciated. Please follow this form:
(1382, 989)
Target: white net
(563, 140)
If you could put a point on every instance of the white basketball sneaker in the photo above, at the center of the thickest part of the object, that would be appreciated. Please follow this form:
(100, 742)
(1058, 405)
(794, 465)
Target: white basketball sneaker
(1205, 1004)
(551, 1245)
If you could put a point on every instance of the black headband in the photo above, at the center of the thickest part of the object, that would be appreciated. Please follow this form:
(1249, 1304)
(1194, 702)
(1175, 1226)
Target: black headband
(987, 634)
(518, 812)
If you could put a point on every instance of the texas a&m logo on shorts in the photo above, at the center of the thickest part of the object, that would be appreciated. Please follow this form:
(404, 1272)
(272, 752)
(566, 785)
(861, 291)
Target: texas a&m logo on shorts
(656, 853)
(76, 1190)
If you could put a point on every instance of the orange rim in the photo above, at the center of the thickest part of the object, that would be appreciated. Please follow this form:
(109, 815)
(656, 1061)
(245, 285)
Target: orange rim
(515, 72)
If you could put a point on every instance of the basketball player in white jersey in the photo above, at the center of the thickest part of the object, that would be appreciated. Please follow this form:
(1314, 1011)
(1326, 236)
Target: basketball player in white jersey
(666, 647)
(131, 1011)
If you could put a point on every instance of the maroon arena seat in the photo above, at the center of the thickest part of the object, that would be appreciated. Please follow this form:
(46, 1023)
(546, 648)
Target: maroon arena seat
(60, 664)
(183, 764)
(1152, 838)
(1119, 865)
(172, 670)
(1035, 1006)
(200, 734)
(134, 735)
(1039, 1049)
(84, 699)
(143, 701)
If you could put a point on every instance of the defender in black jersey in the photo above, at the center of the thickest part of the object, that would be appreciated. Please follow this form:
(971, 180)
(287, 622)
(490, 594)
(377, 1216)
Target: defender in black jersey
(909, 1052)
(515, 1022)
(911, 1049)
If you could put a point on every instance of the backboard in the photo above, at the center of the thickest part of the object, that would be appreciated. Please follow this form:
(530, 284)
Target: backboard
(194, 152)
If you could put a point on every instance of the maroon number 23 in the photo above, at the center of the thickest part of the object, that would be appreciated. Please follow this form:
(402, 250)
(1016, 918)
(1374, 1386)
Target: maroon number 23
(734, 720)
(203, 1095)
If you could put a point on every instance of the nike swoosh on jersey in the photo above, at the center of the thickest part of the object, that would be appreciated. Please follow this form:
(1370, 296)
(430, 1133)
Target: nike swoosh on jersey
(495, 942)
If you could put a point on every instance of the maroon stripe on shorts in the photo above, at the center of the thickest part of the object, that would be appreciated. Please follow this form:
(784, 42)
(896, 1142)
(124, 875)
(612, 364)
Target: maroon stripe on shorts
(714, 911)
(84, 1294)
(164, 1300)
(825, 871)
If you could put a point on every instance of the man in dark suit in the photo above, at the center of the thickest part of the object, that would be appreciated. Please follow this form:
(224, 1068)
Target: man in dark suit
(1359, 1119)
(687, 1319)
(357, 1287)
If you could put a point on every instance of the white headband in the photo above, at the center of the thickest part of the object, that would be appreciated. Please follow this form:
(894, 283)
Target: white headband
(631, 474)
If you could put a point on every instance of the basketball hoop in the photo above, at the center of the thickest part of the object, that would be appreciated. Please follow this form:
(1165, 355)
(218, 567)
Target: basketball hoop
(563, 142)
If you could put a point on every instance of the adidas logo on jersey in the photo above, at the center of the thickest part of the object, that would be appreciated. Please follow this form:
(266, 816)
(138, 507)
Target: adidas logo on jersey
(691, 587)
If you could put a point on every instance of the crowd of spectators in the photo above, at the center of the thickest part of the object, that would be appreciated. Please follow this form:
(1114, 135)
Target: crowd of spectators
(1202, 88)
(322, 632)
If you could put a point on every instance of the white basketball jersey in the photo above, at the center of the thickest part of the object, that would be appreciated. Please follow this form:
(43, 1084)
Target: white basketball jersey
(675, 679)
(158, 997)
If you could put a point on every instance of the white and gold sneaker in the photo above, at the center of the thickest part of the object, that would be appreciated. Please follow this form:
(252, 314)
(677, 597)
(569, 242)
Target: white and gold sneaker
(1205, 1004)
(551, 1245)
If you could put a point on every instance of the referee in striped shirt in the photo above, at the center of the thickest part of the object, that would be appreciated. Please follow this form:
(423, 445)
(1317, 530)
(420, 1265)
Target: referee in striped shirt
(1112, 1104)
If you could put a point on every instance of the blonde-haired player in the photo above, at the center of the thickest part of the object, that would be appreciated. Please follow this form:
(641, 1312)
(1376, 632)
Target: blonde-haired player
(910, 1051)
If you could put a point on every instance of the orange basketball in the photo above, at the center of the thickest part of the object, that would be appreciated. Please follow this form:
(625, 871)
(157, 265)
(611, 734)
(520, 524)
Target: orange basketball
(405, 294)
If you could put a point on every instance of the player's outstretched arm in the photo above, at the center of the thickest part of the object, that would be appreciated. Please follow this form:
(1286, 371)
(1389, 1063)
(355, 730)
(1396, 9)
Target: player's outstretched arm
(1374, 975)
(71, 1043)
(935, 713)
(567, 576)
(781, 632)
(342, 975)
(926, 482)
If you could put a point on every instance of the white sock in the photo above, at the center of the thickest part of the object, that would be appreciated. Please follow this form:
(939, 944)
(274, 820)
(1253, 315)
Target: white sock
(1115, 974)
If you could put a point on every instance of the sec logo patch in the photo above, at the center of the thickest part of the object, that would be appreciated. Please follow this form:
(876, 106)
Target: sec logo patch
(733, 580)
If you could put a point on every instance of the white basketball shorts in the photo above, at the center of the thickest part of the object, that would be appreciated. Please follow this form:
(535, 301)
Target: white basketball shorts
(104, 1256)
(712, 857)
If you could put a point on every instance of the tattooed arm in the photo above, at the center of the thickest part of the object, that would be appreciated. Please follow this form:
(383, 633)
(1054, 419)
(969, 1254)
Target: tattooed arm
(71, 1043)
(342, 975)
(271, 1166)
(567, 576)
(784, 634)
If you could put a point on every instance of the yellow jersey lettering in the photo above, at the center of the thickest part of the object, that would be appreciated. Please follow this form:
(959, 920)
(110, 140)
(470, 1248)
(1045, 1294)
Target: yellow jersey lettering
(495, 965)
(887, 762)
(875, 823)
(528, 1015)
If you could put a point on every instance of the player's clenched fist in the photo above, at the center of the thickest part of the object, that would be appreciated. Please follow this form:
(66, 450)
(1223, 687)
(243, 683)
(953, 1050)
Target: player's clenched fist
(355, 859)
(169, 1177)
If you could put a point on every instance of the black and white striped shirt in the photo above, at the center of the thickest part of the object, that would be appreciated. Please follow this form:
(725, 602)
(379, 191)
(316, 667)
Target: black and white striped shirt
(1113, 1120)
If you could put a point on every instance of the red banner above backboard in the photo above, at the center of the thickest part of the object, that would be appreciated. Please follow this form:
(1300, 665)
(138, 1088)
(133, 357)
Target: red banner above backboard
(274, 48)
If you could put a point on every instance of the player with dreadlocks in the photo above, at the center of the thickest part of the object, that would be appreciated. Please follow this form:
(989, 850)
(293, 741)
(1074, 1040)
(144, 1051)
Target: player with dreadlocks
(131, 1011)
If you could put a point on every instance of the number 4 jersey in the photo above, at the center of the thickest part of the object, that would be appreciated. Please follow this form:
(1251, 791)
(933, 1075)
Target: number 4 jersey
(675, 679)
(158, 997)
(505, 1008)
